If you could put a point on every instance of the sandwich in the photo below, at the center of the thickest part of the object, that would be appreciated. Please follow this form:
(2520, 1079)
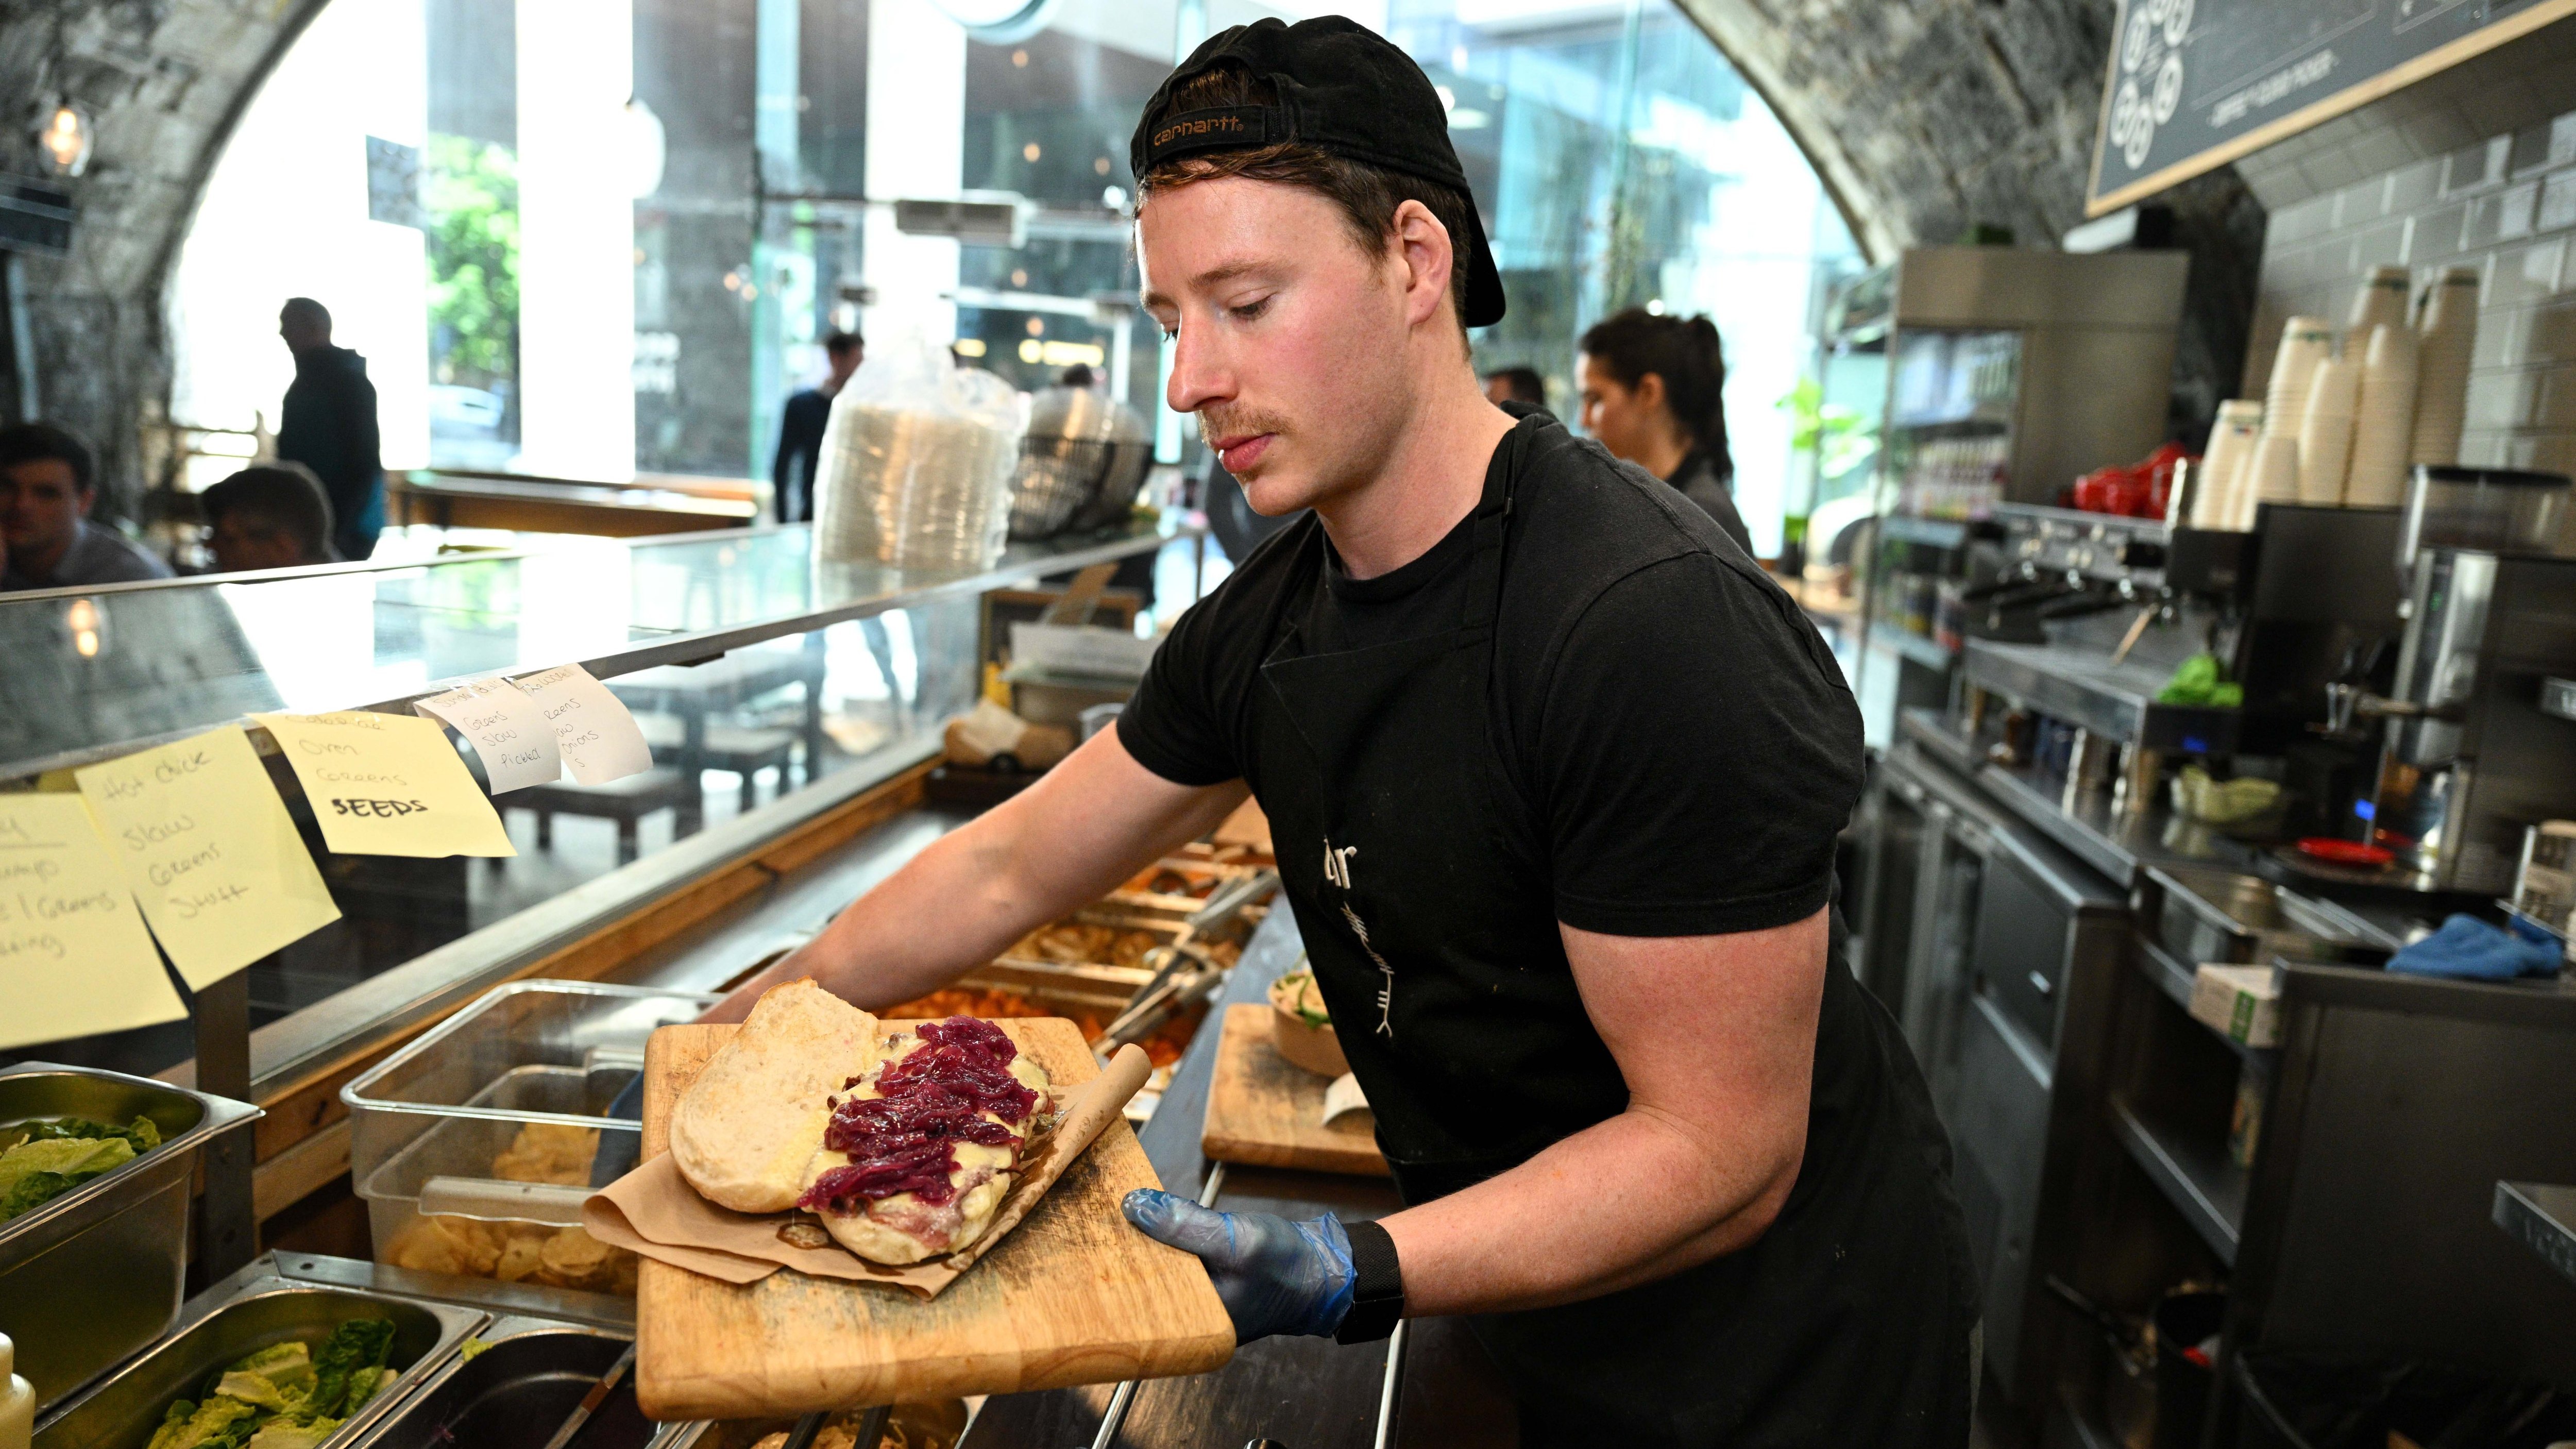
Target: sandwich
(918, 1156)
(746, 1131)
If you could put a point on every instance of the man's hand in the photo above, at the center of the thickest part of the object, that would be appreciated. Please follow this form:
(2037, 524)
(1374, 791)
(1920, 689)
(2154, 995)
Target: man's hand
(1057, 846)
(1275, 1276)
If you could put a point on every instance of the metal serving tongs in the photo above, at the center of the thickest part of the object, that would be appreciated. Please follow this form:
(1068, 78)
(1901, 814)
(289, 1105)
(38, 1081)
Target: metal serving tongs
(1183, 973)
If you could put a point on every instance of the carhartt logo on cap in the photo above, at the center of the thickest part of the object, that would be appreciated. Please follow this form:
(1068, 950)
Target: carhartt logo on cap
(1206, 130)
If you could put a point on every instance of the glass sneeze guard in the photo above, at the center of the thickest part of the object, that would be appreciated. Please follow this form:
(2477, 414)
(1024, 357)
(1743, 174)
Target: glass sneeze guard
(96, 673)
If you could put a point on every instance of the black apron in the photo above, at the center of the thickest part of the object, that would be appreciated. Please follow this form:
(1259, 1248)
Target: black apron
(1431, 929)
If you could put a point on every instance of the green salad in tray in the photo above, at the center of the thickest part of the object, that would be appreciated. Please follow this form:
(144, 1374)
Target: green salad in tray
(287, 1396)
(49, 1159)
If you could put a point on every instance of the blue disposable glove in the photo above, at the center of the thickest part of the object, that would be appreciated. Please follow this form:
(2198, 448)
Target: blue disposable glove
(1274, 1276)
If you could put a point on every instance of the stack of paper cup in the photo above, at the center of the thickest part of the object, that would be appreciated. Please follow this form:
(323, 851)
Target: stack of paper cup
(2447, 335)
(2271, 476)
(2305, 342)
(2224, 464)
(2385, 421)
(2325, 431)
(2381, 301)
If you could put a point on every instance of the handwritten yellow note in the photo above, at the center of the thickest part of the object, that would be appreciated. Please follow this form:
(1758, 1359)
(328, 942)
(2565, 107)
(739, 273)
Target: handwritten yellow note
(209, 851)
(74, 957)
(387, 784)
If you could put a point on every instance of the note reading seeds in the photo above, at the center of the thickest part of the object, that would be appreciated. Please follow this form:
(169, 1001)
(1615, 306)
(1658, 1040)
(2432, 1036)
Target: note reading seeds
(209, 851)
(387, 784)
(74, 957)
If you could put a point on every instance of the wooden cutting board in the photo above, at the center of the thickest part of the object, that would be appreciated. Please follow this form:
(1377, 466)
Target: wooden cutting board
(1264, 1110)
(1073, 1296)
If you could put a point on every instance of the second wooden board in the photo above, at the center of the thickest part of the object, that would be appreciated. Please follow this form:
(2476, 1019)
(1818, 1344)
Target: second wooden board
(1073, 1296)
(1267, 1112)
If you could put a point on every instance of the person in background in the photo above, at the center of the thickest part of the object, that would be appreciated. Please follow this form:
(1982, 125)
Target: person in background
(1651, 388)
(329, 425)
(800, 431)
(1516, 385)
(48, 484)
(1078, 375)
(270, 516)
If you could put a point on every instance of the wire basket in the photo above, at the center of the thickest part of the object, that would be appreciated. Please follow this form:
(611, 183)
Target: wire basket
(1081, 465)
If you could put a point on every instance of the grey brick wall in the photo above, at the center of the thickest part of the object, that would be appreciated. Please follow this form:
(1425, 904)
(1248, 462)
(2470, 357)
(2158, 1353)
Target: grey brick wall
(2475, 167)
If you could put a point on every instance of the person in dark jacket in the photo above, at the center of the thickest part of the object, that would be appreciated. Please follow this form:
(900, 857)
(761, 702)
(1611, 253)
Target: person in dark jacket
(800, 432)
(329, 425)
(1651, 388)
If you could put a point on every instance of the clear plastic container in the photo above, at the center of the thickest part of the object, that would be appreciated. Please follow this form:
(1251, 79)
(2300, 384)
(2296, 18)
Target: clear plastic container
(2497, 510)
(475, 1145)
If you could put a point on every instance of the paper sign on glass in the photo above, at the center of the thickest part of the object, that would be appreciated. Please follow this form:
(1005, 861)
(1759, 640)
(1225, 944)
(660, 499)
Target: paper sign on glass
(598, 737)
(74, 957)
(210, 852)
(387, 784)
(502, 724)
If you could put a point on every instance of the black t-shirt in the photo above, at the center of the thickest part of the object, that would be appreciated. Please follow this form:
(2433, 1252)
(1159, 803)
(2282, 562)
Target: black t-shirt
(1684, 741)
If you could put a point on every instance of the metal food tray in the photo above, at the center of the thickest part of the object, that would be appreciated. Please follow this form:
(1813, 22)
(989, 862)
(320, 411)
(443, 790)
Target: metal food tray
(526, 1379)
(125, 1409)
(99, 1272)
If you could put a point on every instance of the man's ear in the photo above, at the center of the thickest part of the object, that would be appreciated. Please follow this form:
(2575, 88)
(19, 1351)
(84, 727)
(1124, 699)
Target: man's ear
(88, 501)
(1424, 245)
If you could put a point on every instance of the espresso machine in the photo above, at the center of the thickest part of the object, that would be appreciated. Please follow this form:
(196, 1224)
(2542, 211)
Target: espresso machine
(2473, 751)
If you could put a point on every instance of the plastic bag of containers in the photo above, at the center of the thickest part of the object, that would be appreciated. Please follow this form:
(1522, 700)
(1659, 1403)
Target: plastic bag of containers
(916, 463)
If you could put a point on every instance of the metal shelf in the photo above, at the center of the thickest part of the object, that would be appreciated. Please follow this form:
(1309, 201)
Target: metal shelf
(2541, 1217)
(2176, 981)
(1931, 654)
(2117, 700)
(2558, 697)
(2194, 1175)
(1930, 532)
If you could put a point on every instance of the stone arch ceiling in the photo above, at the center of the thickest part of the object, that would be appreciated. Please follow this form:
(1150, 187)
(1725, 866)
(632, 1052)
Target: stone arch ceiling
(164, 81)
(1923, 116)
(1926, 117)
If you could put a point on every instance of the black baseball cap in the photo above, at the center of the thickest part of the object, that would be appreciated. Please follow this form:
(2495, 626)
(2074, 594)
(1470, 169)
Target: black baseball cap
(1342, 90)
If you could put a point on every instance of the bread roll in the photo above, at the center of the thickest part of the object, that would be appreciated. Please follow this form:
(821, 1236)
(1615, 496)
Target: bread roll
(746, 1131)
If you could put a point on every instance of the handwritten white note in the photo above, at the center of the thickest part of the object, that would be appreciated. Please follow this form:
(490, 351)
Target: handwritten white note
(387, 784)
(74, 957)
(598, 737)
(503, 725)
(209, 851)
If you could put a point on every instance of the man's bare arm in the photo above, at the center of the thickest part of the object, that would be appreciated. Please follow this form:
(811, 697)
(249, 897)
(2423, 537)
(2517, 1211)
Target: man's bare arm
(1062, 843)
(1716, 1037)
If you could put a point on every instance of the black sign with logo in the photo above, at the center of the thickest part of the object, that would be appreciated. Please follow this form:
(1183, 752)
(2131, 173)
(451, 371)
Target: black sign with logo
(2197, 83)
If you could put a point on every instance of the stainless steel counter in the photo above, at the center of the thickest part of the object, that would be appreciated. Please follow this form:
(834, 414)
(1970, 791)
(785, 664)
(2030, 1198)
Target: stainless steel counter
(2542, 1217)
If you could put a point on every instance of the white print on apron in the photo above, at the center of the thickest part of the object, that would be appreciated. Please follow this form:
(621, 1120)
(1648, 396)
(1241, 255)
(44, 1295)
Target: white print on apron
(1385, 992)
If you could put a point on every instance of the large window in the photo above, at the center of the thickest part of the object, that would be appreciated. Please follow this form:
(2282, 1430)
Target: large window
(622, 259)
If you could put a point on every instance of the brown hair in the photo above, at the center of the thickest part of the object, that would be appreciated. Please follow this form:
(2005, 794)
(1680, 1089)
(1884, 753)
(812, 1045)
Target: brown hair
(1685, 354)
(1366, 195)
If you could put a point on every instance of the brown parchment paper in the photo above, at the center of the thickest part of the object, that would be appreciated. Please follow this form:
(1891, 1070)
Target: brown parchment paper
(653, 1210)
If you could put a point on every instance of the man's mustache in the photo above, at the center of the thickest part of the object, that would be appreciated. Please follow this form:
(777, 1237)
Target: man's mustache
(1237, 422)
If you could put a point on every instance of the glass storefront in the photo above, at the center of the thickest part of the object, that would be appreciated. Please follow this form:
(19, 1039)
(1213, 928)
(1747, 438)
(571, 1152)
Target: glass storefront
(621, 261)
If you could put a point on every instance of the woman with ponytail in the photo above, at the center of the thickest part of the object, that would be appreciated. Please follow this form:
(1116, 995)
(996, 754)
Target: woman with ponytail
(1651, 388)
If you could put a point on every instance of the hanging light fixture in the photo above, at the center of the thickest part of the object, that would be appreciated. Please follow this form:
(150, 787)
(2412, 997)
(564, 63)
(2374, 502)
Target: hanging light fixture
(66, 138)
(647, 149)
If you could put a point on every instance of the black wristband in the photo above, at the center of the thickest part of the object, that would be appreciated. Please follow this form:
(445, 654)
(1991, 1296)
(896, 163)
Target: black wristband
(1377, 1286)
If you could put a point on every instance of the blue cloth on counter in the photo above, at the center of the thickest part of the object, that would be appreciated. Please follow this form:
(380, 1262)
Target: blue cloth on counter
(2470, 949)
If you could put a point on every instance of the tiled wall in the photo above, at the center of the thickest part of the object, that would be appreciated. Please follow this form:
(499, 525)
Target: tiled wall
(2475, 167)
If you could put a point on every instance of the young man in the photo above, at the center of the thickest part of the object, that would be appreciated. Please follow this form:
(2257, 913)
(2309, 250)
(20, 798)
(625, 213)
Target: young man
(800, 429)
(48, 484)
(1555, 776)
(271, 516)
